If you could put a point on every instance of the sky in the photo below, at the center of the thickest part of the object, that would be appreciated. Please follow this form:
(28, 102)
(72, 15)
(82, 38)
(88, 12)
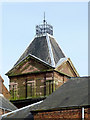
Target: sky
(69, 21)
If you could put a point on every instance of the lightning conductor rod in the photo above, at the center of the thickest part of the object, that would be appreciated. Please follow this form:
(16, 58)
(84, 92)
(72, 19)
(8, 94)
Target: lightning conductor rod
(44, 18)
(44, 22)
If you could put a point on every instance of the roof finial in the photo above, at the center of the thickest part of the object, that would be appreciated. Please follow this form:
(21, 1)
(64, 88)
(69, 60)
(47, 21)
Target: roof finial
(44, 28)
(44, 18)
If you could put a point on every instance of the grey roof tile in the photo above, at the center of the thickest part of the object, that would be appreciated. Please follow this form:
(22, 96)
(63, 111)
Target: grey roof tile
(40, 47)
(5, 104)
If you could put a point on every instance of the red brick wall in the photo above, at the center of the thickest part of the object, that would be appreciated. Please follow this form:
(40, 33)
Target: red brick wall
(67, 69)
(1, 85)
(37, 79)
(5, 92)
(59, 79)
(28, 66)
(3, 89)
(62, 114)
(42, 84)
(87, 113)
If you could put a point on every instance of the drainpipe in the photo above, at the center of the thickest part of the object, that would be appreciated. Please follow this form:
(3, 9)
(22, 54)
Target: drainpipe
(4, 111)
(82, 113)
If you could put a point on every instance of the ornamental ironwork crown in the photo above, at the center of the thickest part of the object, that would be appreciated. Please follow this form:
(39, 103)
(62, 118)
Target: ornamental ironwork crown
(44, 28)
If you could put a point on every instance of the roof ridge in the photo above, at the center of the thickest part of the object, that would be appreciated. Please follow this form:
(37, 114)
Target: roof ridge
(57, 44)
(62, 60)
(50, 50)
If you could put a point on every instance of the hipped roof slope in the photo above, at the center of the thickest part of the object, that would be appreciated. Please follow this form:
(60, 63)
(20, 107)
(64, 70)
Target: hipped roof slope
(45, 48)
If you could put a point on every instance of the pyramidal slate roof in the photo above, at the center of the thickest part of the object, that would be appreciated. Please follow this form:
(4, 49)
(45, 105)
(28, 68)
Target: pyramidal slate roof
(45, 48)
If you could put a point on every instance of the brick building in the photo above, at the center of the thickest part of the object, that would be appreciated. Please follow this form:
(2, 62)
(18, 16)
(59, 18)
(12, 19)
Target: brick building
(70, 101)
(3, 89)
(40, 70)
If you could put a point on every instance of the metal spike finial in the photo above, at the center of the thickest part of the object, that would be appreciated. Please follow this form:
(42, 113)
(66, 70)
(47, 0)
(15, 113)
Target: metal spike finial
(44, 18)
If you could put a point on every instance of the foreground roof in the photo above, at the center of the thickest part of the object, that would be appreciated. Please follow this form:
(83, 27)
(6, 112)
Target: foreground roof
(45, 48)
(21, 113)
(5, 104)
(73, 93)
